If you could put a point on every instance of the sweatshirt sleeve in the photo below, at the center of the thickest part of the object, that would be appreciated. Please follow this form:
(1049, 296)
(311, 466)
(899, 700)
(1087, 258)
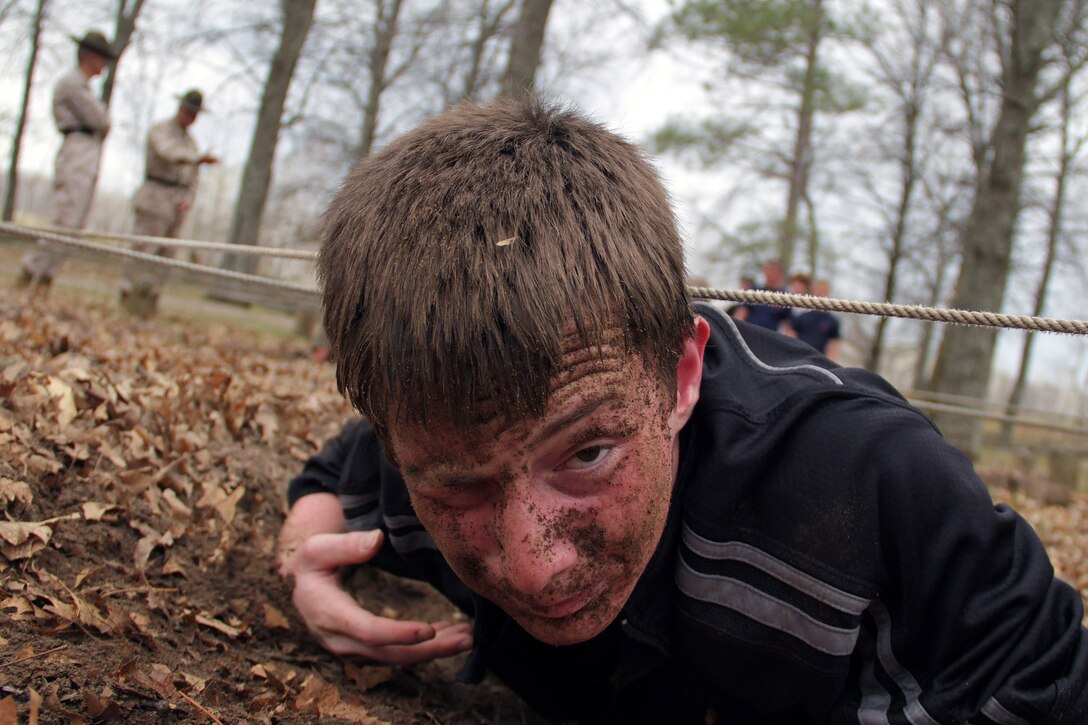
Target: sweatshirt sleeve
(323, 471)
(973, 626)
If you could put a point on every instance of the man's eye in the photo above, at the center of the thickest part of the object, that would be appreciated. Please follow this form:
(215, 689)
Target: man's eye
(588, 457)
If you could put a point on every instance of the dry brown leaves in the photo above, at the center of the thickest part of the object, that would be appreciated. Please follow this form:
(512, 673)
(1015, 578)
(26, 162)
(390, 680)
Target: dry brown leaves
(132, 458)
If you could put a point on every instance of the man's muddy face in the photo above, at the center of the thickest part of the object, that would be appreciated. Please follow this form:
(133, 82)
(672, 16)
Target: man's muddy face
(554, 519)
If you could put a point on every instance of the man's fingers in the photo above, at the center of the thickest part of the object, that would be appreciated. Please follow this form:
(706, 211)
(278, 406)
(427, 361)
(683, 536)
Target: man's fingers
(439, 626)
(331, 551)
(362, 626)
(332, 613)
(447, 642)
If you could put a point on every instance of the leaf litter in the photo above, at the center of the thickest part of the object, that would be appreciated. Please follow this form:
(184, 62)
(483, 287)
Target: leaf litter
(143, 467)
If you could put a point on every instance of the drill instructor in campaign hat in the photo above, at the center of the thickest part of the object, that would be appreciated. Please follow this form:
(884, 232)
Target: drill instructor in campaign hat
(163, 201)
(84, 122)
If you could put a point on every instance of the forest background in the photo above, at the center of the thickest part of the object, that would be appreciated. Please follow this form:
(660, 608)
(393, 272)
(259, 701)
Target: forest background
(920, 151)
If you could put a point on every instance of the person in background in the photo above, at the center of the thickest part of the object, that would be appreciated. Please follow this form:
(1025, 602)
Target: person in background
(84, 122)
(817, 327)
(768, 317)
(799, 283)
(746, 283)
(654, 514)
(163, 201)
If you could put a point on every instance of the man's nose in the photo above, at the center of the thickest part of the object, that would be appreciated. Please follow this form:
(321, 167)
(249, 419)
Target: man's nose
(536, 547)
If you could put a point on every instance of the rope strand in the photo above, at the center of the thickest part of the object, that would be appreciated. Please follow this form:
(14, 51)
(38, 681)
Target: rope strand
(63, 240)
(888, 309)
(250, 249)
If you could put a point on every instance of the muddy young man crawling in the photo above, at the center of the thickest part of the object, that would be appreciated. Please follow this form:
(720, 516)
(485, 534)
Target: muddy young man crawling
(651, 512)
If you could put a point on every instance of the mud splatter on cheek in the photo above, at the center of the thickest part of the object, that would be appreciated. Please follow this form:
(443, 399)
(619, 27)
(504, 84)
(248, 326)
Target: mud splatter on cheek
(630, 550)
(589, 539)
(469, 568)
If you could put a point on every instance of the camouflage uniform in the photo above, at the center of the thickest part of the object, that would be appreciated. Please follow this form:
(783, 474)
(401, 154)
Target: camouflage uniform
(161, 203)
(84, 121)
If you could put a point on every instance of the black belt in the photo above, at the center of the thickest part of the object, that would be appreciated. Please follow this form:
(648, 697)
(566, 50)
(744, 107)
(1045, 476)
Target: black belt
(167, 182)
(77, 129)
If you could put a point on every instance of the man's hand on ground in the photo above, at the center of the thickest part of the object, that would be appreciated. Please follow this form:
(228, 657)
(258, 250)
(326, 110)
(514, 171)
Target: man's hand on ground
(345, 628)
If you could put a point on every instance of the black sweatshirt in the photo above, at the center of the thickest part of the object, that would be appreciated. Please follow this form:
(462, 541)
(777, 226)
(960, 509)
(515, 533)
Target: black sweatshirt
(828, 558)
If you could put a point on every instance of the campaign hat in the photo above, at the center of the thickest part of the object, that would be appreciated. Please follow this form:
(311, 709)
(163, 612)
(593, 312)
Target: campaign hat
(95, 41)
(192, 100)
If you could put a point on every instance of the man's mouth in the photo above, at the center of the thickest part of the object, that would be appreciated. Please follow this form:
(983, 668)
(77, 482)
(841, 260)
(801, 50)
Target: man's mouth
(566, 606)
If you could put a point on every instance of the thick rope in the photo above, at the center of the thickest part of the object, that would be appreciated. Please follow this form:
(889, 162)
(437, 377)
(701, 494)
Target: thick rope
(66, 241)
(780, 299)
(888, 309)
(250, 249)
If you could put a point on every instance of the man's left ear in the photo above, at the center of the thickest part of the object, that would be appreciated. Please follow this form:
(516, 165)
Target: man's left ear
(689, 375)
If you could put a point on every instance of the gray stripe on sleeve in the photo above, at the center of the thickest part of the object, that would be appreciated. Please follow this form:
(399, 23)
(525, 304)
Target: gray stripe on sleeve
(914, 711)
(875, 700)
(354, 500)
(400, 522)
(996, 712)
(765, 609)
(786, 573)
(407, 543)
(367, 522)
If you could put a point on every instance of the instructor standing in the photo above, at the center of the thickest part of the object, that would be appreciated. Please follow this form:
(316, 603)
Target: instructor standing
(84, 121)
(161, 204)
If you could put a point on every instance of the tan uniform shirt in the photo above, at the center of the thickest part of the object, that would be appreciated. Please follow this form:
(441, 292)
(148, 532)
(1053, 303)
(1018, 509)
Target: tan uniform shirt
(161, 203)
(171, 171)
(84, 121)
(76, 108)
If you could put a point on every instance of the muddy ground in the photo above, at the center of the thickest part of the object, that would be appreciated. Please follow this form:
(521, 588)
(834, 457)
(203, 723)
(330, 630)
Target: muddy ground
(142, 472)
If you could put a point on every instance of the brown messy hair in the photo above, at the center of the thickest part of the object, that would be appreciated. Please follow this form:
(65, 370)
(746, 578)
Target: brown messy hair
(453, 261)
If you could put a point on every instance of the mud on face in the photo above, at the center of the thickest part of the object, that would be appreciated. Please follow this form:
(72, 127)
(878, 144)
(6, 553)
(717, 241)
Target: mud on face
(553, 518)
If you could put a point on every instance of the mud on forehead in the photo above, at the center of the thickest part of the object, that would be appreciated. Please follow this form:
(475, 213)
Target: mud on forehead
(582, 358)
(588, 373)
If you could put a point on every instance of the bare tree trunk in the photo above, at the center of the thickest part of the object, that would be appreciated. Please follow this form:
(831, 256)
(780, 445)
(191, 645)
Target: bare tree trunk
(813, 237)
(487, 28)
(801, 161)
(941, 266)
(525, 47)
(921, 378)
(124, 26)
(385, 29)
(1054, 233)
(966, 355)
(908, 173)
(298, 17)
(20, 125)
